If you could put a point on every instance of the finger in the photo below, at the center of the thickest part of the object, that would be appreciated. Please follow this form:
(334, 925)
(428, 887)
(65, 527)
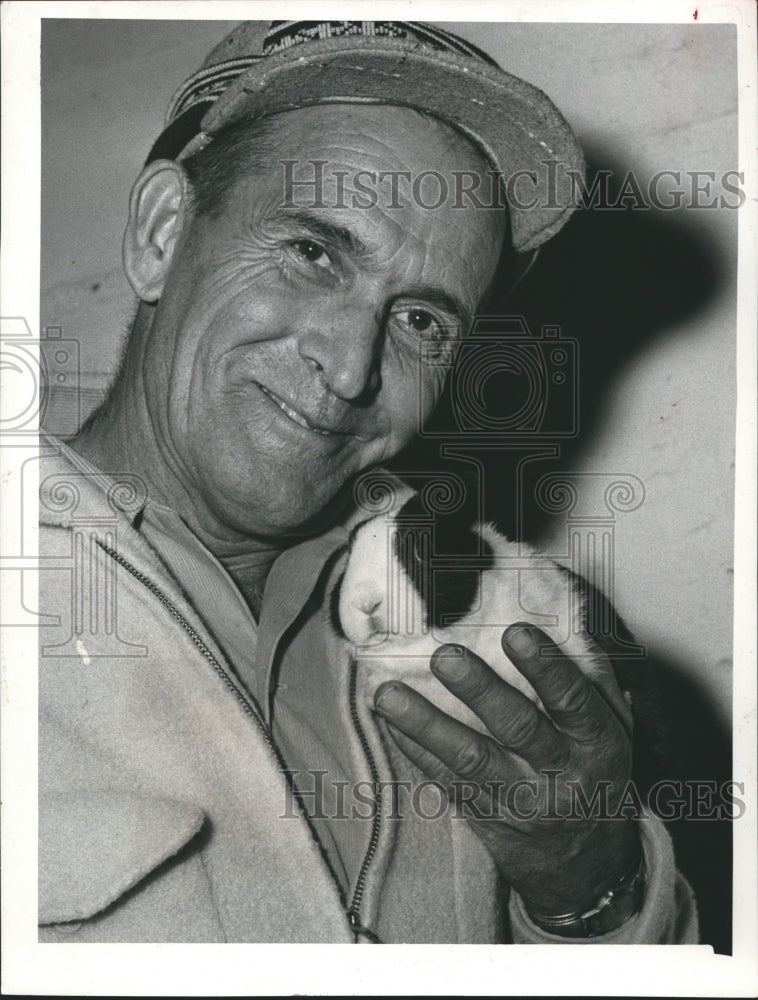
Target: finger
(571, 700)
(509, 715)
(424, 760)
(475, 797)
(464, 751)
(604, 677)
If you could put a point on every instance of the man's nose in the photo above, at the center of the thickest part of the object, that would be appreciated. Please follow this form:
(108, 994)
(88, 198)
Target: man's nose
(344, 343)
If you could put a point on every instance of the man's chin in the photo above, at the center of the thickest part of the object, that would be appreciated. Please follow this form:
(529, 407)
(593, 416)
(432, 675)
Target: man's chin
(298, 525)
(286, 518)
(330, 513)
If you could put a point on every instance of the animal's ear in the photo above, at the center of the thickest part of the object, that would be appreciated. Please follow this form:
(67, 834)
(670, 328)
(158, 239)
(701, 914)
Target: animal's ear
(446, 593)
(334, 608)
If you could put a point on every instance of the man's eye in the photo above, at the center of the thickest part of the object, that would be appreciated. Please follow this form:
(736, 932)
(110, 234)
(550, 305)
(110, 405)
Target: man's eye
(312, 252)
(421, 321)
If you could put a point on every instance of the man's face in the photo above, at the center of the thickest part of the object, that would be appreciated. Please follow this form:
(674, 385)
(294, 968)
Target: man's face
(285, 352)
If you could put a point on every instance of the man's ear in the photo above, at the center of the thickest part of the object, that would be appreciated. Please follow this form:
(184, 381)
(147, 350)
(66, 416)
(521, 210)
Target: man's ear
(157, 211)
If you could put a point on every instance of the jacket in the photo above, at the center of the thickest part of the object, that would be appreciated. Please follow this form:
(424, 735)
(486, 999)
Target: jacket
(175, 804)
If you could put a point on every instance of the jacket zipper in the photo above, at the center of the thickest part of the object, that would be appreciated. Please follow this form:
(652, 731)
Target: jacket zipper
(247, 708)
(354, 910)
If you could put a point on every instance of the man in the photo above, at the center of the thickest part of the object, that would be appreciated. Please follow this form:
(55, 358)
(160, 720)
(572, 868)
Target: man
(200, 783)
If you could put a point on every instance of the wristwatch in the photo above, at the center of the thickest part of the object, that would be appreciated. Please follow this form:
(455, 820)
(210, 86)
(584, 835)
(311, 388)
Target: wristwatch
(610, 912)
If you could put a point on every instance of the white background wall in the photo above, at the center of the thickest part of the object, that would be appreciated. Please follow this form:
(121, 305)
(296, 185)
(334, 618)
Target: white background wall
(640, 97)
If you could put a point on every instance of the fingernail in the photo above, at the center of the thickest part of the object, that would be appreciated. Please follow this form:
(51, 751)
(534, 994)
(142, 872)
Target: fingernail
(519, 639)
(391, 700)
(450, 662)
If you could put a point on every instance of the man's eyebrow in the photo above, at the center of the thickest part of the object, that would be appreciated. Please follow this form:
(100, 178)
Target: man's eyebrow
(337, 236)
(346, 240)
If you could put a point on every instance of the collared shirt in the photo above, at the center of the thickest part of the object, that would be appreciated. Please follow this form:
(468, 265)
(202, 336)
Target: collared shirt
(208, 586)
(205, 581)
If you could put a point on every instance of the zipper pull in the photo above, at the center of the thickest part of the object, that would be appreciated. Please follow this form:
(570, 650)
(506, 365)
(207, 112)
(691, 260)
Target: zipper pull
(353, 918)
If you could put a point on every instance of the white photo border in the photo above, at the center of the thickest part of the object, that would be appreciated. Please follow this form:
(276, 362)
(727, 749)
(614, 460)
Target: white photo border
(176, 969)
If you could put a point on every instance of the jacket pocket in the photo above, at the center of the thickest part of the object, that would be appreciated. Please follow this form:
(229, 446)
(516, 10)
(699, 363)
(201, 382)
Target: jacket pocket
(96, 846)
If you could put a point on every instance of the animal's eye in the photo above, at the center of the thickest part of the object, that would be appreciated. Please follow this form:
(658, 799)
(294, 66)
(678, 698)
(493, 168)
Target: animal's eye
(313, 252)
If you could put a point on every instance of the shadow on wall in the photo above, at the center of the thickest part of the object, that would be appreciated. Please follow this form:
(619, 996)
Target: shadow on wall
(699, 758)
(616, 281)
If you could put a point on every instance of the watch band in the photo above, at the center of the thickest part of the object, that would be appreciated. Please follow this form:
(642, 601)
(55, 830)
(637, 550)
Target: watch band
(610, 912)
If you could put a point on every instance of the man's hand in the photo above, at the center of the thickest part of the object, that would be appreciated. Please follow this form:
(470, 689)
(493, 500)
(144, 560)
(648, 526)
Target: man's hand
(557, 863)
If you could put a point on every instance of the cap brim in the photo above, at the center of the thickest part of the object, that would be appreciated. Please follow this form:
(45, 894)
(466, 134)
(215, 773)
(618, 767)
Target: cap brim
(516, 125)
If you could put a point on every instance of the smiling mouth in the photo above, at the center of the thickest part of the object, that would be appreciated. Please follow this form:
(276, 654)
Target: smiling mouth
(296, 417)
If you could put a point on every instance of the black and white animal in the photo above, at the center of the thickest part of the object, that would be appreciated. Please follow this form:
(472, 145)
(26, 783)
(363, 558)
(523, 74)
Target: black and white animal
(413, 583)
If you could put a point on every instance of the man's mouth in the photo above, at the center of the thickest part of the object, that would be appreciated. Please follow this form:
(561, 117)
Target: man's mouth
(293, 414)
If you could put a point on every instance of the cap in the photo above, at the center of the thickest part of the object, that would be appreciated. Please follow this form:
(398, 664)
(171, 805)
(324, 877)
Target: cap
(263, 68)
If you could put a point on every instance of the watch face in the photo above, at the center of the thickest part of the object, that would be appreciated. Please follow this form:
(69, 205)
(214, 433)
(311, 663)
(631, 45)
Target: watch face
(623, 904)
(612, 910)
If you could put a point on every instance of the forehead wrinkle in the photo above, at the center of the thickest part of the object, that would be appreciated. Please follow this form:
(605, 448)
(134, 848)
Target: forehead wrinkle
(468, 263)
(386, 151)
(425, 284)
(381, 152)
(360, 121)
(447, 133)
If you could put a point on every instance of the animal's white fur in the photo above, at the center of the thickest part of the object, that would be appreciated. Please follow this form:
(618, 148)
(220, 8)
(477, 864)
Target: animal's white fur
(382, 613)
